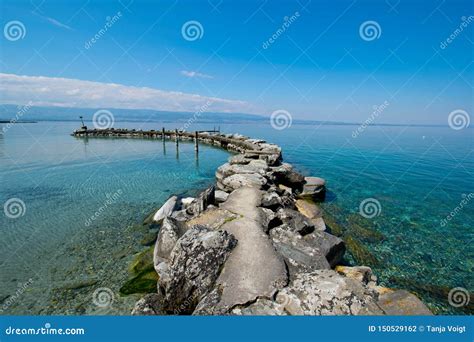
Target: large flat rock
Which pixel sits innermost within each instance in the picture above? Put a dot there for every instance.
(253, 269)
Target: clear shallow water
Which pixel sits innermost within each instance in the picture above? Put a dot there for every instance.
(417, 174)
(63, 182)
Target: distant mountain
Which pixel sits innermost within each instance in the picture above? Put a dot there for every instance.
(8, 112)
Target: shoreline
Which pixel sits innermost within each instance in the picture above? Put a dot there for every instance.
(260, 201)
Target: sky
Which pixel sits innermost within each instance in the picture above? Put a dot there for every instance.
(317, 60)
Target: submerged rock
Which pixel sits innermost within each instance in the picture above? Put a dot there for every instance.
(402, 303)
(194, 266)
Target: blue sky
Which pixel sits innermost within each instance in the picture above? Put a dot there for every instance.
(319, 67)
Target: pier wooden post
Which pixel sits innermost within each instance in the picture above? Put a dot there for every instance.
(176, 136)
(196, 143)
(163, 134)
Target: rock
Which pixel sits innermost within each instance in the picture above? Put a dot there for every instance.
(262, 307)
(165, 210)
(324, 292)
(171, 230)
(149, 239)
(181, 215)
(143, 282)
(295, 221)
(202, 201)
(270, 220)
(286, 189)
(254, 269)
(271, 200)
(194, 266)
(149, 305)
(314, 251)
(360, 252)
(308, 208)
(221, 196)
(209, 304)
(227, 169)
(402, 303)
(360, 273)
(239, 159)
(212, 218)
(284, 174)
(271, 159)
(186, 202)
(242, 180)
(141, 261)
(314, 187)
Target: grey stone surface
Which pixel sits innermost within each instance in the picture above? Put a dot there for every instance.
(194, 266)
(171, 230)
(254, 268)
(324, 292)
(242, 180)
(150, 305)
(221, 196)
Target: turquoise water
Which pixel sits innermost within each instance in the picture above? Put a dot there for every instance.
(64, 181)
(418, 175)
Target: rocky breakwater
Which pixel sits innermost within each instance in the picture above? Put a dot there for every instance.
(256, 244)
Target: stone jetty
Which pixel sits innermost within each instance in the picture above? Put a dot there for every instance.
(255, 243)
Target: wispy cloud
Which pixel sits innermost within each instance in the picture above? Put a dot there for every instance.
(53, 21)
(66, 92)
(195, 74)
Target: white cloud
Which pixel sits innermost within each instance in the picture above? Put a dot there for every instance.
(54, 21)
(66, 92)
(195, 74)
